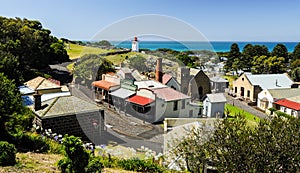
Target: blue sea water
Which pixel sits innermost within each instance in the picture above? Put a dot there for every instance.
(216, 46)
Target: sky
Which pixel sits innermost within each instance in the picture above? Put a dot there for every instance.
(216, 20)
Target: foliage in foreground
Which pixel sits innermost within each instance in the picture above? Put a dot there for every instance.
(7, 154)
(272, 146)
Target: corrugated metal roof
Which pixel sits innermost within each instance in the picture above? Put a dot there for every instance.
(166, 78)
(40, 83)
(288, 104)
(140, 100)
(122, 93)
(104, 84)
(216, 98)
(28, 100)
(169, 94)
(270, 81)
(279, 93)
(151, 84)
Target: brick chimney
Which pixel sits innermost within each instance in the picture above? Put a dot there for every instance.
(158, 71)
(37, 101)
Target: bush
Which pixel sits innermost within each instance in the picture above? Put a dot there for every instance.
(95, 165)
(32, 142)
(7, 154)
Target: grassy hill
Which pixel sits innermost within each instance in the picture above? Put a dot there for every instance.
(75, 50)
(45, 163)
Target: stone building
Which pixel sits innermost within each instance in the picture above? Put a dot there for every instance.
(194, 82)
(70, 115)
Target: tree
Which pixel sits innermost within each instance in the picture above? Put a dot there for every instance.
(271, 146)
(91, 67)
(280, 51)
(275, 65)
(233, 55)
(9, 65)
(13, 116)
(296, 56)
(295, 74)
(76, 157)
(247, 56)
(33, 45)
(138, 62)
(258, 65)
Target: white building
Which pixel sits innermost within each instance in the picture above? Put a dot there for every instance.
(213, 105)
(267, 97)
(135, 45)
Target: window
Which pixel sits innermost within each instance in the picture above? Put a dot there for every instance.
(242, 79)
(183, 104)
(248, 93)
(235, 89)
(175, 106)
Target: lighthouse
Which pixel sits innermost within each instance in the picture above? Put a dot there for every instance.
(135, 45)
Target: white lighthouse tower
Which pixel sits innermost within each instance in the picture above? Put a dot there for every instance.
(135, 45)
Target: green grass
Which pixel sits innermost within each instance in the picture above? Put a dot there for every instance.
(117, 59)
(75, 51)
(251, 119)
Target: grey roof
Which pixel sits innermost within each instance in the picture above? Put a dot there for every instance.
(295, 99)
(122, 93)
(218, 79)
(67, 105)
(270, 81)
(216, 98)
(284, 92)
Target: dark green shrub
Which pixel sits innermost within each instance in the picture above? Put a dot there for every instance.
(76, 157)
(32, 142)
(7, 154)
(95, 165)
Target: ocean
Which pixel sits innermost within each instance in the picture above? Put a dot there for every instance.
(216, 46)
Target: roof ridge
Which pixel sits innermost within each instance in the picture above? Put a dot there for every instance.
(51, 105)
(39, 84)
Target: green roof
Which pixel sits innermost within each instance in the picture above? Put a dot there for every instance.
(66, 105)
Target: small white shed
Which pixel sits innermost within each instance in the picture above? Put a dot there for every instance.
(213, 105)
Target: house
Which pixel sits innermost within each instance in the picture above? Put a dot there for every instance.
(248, 86)
(170, 81)
(267, 97)
(109, 83)
(43, 85)
(69, 115)
(290, 106)
(49, 89)
(213, 105)
(218, 84)
(193, 82)
(158, 101)
(119, 96)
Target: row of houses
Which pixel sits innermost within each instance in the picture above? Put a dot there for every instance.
(277, 91)
(56, 109)
(164, 97)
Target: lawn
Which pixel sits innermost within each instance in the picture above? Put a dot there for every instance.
(251, 119)
(75, 51)
(117, 59)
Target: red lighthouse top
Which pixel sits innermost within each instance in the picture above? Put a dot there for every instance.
(135, 39)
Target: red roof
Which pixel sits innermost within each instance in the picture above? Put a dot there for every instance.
(104, 84)
(289, 104)
(140, 100)
(166, 78)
